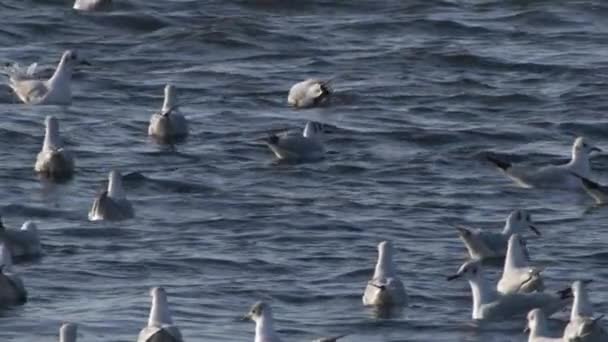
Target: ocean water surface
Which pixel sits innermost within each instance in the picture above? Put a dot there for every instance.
(423, 90)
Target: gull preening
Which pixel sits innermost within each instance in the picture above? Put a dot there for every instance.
(54, 161)
(552, 176)
(168, 124)
(489, 304)
(92, 5)
(517, 274)
(112, 204)
(160, 326)
(12, 290)
(24, 242)
(309, 93)
(538, 329)
(385, 288)
(306, 146)
(582, 324)
(483, 244)
(261, 314)
(55, 91)
(67, 332)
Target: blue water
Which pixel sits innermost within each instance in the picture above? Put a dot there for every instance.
(423, 90)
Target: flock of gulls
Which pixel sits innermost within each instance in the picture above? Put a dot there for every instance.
(519, 292)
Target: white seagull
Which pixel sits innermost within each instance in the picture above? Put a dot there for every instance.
(168, 124)
(517, 274)
(307, 146)
(489, 304)
(160, 325)
(385, 288)
(92, 5)
(24, 242)
(309, 93)
(54, 161)
(54, 91)
(582, 326)
(552, 176)
(12, 290)
(67, 332)
(112, 204)
(537, 327)
(483, 244)
(261, 314)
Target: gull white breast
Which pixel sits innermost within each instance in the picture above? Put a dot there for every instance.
(54, 161)
(54, 91)
(24, 242)
(385, 288)
(168, 125)
(565, 176)
(309, 93)
(112, 204)
(160, 326)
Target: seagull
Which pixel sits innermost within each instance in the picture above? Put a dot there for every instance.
(12, 290)
(24, 242)
(160, 325)
(489, 304)
(309, 93)
(54, 91)
(385, 288)
(92, 5)
(517, 275)
(112, 204)
(295, 147)
(552, 176)
(67, 332)
(261, 314)
(482, 244)
(537, 327)
(54, 161)
(168, 124)
(582, 325)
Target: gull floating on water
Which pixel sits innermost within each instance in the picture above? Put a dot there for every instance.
(517, 275)
(537, 327)
(385, 288)
(160, 325)
(56, 90)
(261, 314)
(168, 124)
(12, 290)
(552, 176)
(309, 93)
(92, 5)
(299, 147)
(482, 244)
(489, 304)
(67, 332)
(24, 242)
(54, 161)
(112, 204)
(582, 326)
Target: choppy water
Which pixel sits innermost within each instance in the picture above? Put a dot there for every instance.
(424, 88)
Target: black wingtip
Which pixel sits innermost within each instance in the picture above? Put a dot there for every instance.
(565, 293)
(589, 183)
(501, 164)
(273, 139)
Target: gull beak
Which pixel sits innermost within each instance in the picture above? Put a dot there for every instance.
(246, 317)
(452, 277)
(535, 230)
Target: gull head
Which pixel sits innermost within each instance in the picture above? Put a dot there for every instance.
(470, 270)
(520, 220)
(170, 99)
(535, 318)
(313, 129)
(70, 58)
(579, 286)
(158, 292)
(258, 310)
(319, 90)
(115, 189)
(385, 248)
(582, 147)
(67, 332)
